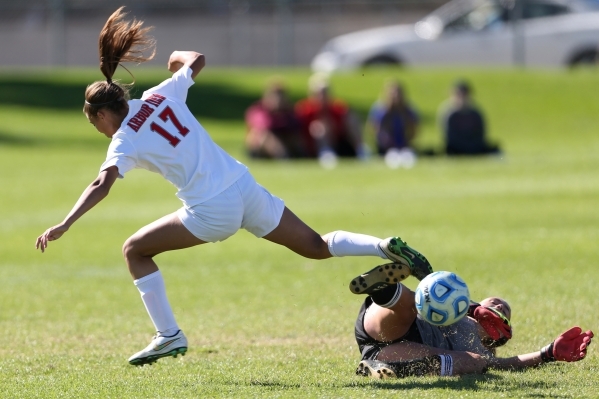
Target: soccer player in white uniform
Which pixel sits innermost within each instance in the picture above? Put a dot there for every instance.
(219, 195)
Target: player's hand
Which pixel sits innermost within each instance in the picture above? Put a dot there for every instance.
(468, 363)
(495, 325)
(478, 363)
(53, 233)
(570, 346)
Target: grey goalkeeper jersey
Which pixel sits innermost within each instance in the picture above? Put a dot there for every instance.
(461, 336)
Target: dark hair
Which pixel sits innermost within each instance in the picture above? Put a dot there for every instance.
(119, 41)
(463, 87)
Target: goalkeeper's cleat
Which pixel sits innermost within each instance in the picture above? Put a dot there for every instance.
(161, 347)
(378, 278)
(375, 369)
(398, 251)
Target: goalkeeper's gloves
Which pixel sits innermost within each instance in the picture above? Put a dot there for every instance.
(495, 324)
(570, 346)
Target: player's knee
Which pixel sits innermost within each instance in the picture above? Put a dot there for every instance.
(130, 248)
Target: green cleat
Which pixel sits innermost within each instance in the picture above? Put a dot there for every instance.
(398, 251)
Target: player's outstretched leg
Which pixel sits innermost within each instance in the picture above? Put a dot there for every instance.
(430, 365)
(161, 347)
(398, 251)
(379, 278)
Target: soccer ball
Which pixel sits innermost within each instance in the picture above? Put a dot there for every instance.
(442, 298)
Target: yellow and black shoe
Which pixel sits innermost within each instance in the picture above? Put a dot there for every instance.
(378, 278)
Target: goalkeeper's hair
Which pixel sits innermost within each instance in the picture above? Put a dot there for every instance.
(120, 41)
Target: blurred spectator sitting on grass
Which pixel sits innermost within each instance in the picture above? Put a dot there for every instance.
(394, 123)
(329, 127)
(463, 124)
(393, 119)
(273, 131)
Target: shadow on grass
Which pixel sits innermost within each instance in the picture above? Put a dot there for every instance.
(8, 139)
(210, 100)
(11, 140)
(205, 99)
(214, 100)
(475, 384)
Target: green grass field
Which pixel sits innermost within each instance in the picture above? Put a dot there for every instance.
(261, 321)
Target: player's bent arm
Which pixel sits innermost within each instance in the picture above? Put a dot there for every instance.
(194, 60)
(93, 194)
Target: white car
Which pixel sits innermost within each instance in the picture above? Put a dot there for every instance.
(476, 33)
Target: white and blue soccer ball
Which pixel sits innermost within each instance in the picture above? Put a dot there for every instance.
(442, 298)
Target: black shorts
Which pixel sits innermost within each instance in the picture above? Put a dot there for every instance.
(370, 347)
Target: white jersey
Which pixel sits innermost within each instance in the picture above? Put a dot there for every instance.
(161, 135)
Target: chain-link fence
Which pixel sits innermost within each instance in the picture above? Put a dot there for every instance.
(231, 33)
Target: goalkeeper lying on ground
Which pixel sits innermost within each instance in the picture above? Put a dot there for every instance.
(394, 342)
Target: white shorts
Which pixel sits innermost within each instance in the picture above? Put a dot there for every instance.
(245, 204)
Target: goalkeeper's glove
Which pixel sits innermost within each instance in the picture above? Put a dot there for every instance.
(494, 323)
(570, 346)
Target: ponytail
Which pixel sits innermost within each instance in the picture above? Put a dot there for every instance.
(119, 41)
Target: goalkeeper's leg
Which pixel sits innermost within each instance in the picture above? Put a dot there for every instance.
(441, 365)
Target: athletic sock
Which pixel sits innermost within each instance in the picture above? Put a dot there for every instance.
(388, 296)
(344, 243)
(153, 295)
(446, 365)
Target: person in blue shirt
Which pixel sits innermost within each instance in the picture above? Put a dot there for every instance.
(393, 120)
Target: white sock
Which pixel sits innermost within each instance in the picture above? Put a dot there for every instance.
(344, 243)
(395, 297)
(153, 295)
(446, 365)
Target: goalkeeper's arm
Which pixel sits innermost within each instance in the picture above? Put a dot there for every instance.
(471, 363)
(570, 346)
(516, 362)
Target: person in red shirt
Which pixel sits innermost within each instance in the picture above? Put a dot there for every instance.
(273, 131)
(328, 125)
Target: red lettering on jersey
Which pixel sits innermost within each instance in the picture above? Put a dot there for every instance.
(155, 99)
(166, 115)
(140, 117)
